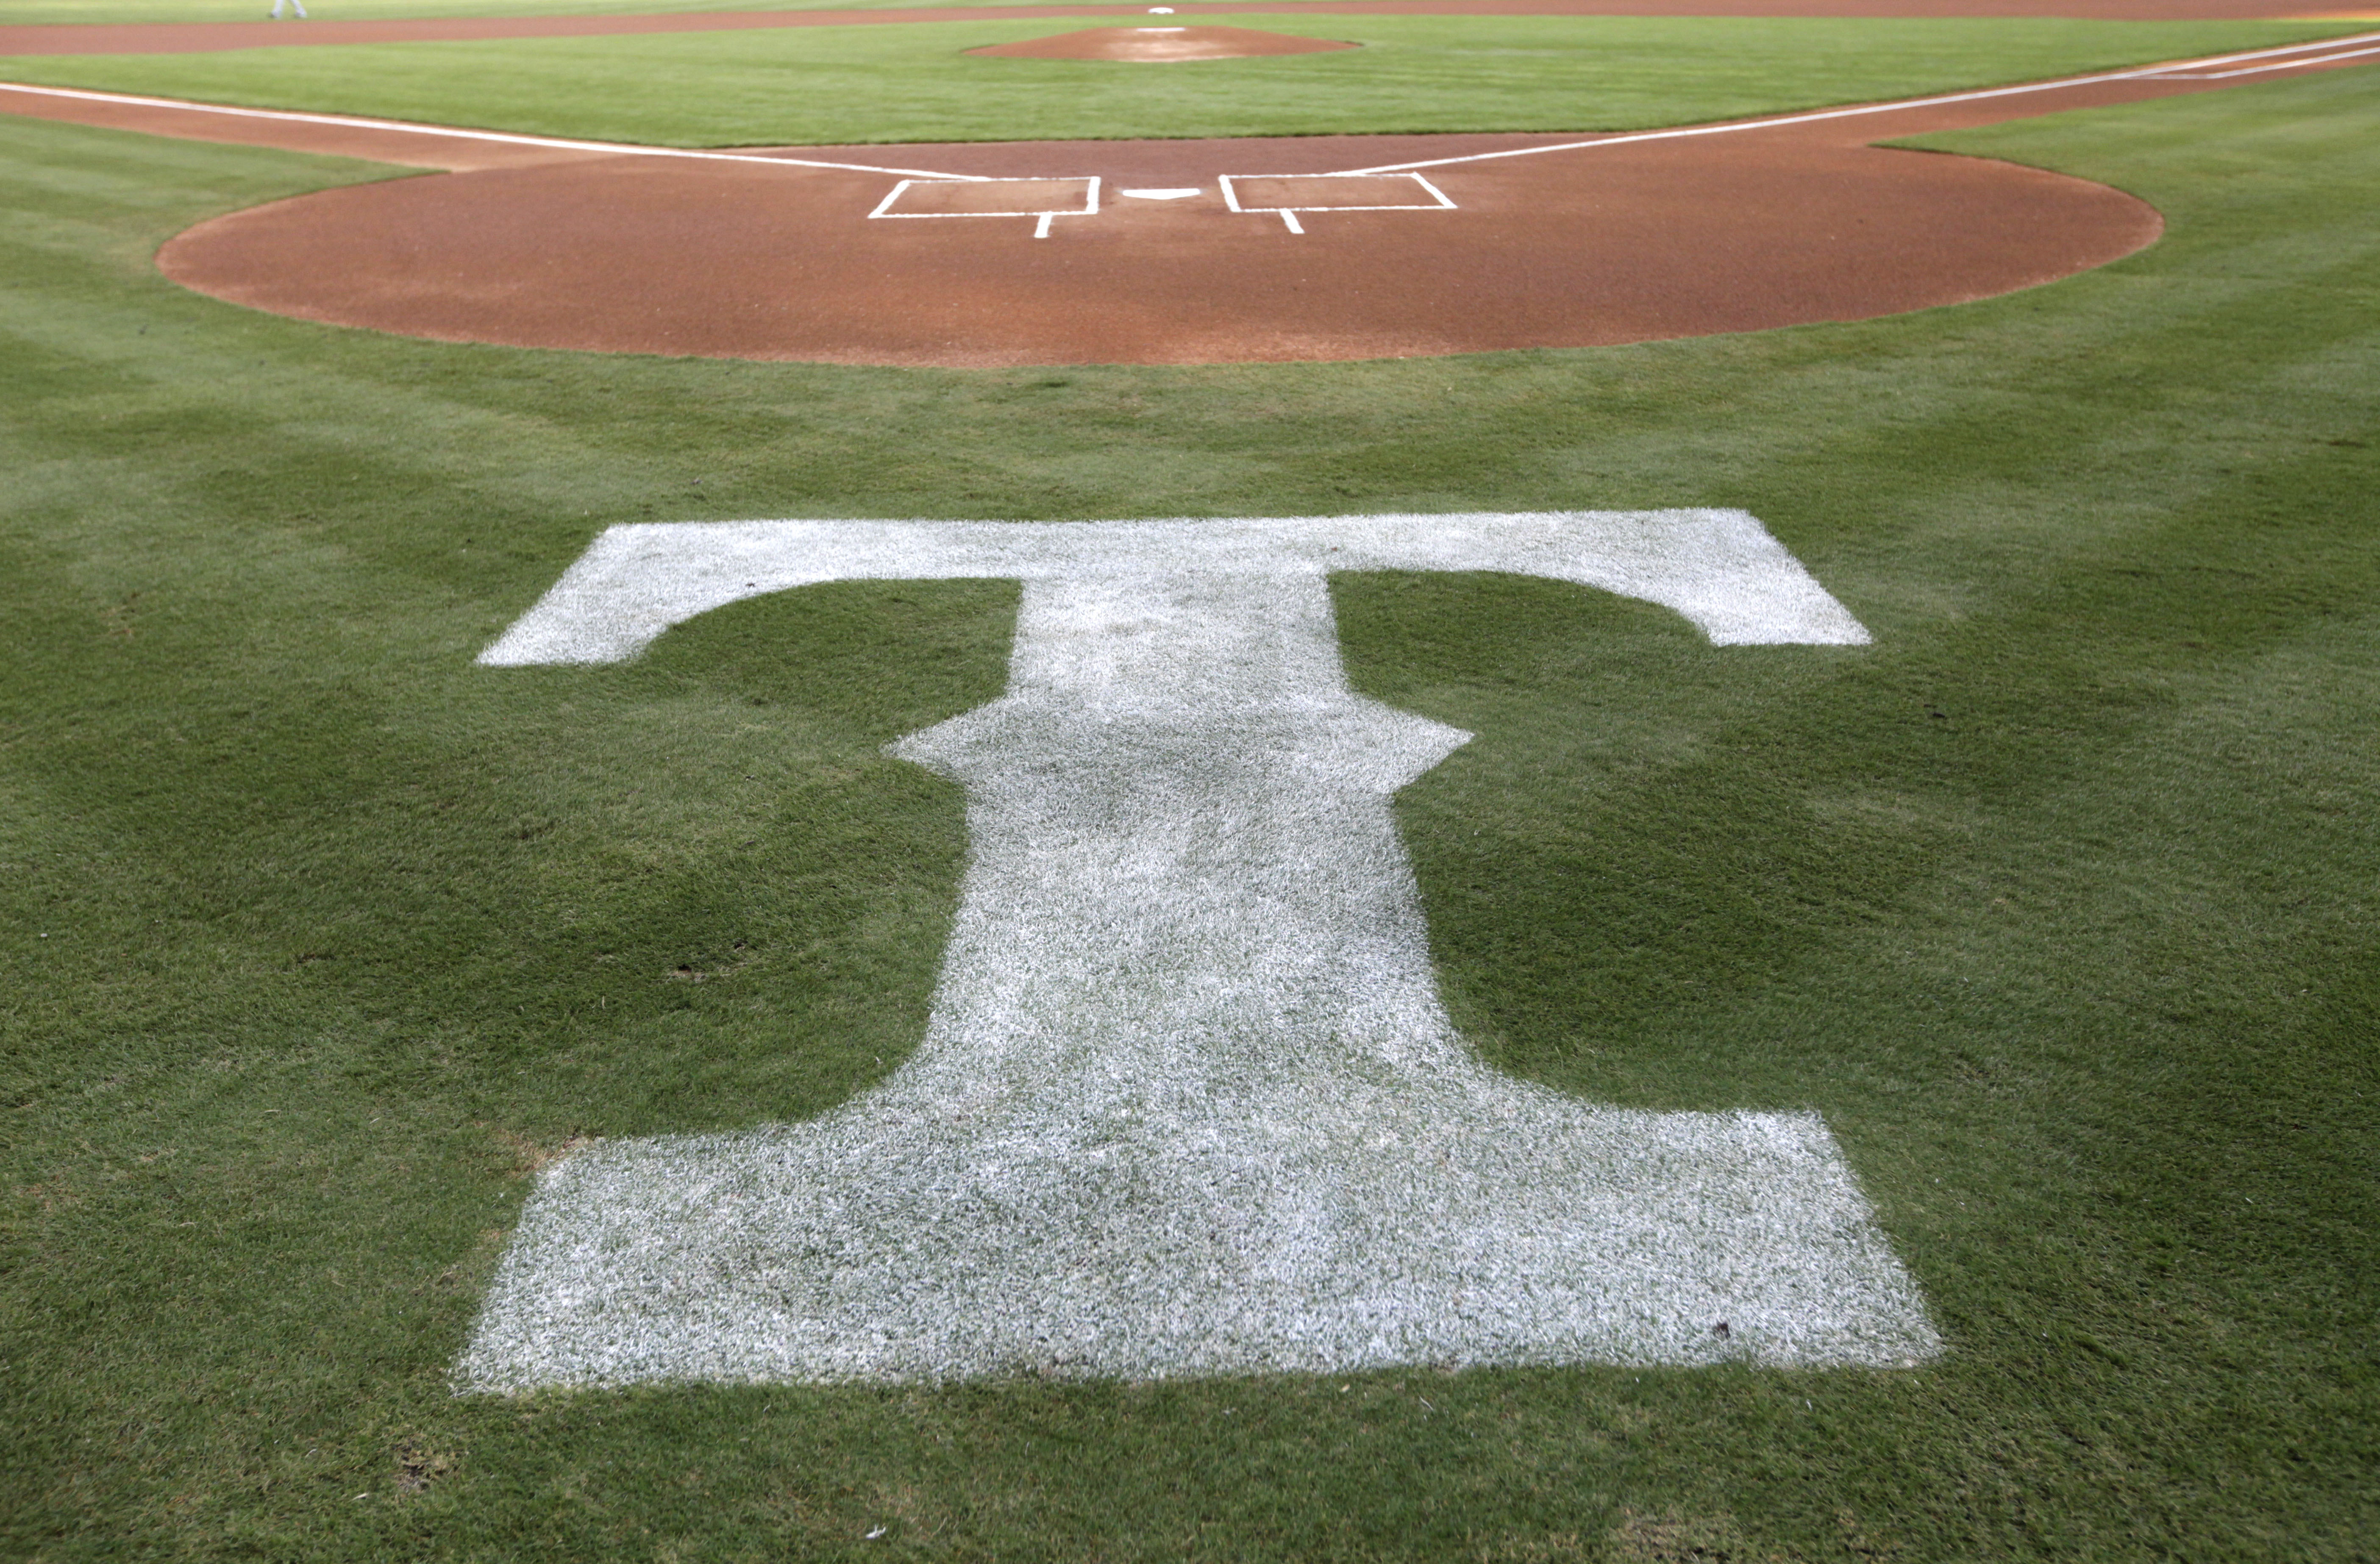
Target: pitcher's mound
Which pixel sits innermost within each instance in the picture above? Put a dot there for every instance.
(1162, 46)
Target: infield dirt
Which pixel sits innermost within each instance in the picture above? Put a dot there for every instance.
(1169, 251)
(1660, 239)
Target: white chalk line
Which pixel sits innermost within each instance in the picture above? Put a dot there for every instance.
(1232, 196)
(1091, 207)
(1288, 214)
(559, 143)
(2143, 73)
(2253, 70)
(2324, 52)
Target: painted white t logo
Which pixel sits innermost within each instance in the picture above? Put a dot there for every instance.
(1188, 1102)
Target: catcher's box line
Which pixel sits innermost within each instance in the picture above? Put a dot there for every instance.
(2166, 71)
(1091, 207)
(1288, 214)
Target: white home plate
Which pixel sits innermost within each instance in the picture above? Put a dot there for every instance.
(1188, 1103)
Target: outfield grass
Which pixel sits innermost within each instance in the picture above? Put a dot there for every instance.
(2058, 901)
(911, 82)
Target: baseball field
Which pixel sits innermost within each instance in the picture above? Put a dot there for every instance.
(1596, 782)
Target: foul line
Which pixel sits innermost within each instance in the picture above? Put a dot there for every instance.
(2327, 51)
(621, 149)
(2138, 74)
(2178, 74)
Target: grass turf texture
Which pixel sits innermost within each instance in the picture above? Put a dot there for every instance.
(28, 13)
(2058, 901)
(911, 82)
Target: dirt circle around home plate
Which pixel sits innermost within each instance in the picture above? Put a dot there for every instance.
(1191, 251)
(1162, 46)
(1317, 248)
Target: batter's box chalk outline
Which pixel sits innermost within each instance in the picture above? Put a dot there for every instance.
(1044, 216)
(1439, 201)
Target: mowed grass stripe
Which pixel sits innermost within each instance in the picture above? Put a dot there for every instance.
(911, 82)
(345, 935)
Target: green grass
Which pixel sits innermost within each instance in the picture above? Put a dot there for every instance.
(2058, 901)
(25, 13)
(912, 84)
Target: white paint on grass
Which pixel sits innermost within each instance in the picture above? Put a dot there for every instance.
(2206, 67)
(1719, 568)
(454, 133)
(2178, 70)
(1187, 1102)
(2339, 58)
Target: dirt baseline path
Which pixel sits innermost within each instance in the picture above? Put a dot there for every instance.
(1208, 251)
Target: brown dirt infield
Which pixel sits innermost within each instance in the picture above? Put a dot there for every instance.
(1156, 251)
(1161, 46)
(172, 38)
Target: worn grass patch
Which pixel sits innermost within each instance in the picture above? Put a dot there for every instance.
(2057, 901)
